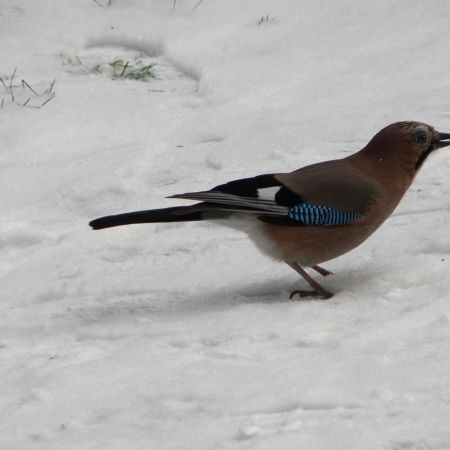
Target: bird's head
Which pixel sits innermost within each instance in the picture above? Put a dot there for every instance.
(406, 144)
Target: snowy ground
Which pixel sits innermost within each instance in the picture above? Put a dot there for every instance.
(182, 336)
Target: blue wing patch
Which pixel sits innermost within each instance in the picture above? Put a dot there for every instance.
(308, 214)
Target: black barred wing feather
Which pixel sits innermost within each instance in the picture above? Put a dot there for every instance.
(309, 214)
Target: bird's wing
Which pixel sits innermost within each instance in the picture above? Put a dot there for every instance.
(329, 193)
(255, 194)
(337, 184)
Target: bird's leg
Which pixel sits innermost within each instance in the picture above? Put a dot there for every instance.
(318, 291)
(322, 271)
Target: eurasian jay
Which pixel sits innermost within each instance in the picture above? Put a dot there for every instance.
(315, 213)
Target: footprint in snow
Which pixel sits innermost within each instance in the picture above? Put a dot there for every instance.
(123, 59)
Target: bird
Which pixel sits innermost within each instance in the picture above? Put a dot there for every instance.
(315, 213)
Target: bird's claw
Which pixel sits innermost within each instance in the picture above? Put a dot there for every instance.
(322, 294)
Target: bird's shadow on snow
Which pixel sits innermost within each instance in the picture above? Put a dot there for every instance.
(267, 291)
(346, 283)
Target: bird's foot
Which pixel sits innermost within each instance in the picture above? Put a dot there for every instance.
(322, 294)
(318, 292)
(322, 271)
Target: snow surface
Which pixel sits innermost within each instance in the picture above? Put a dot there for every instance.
(182, 336)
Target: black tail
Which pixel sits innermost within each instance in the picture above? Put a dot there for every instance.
(176, 214)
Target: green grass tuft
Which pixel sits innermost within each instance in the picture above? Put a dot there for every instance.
(138, 71)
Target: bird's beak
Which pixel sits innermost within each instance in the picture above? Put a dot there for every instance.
(443, 139)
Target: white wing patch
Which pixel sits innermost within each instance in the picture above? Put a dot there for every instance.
(268, 193)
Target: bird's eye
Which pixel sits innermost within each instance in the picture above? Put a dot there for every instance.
(420, 137)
